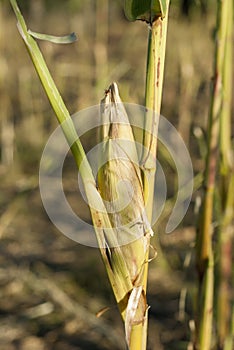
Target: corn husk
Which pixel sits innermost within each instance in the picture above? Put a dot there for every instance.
(120, 185)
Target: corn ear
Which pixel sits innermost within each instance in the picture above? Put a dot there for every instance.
(120, 185)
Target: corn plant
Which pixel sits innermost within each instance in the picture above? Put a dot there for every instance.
(126, 264)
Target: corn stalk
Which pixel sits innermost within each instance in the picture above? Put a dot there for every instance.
(155, 13)
(153, 98)
(223, 305)
(205, 260)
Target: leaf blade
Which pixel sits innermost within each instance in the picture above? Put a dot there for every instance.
(146, 10)
(66, 39)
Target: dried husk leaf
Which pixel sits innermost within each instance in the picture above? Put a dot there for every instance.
(120, 185)
(130, 318)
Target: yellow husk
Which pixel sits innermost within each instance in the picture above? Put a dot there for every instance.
(120, 185)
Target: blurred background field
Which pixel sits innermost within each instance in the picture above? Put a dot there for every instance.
(51, 287)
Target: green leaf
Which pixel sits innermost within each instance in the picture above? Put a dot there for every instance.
(67, 39)
(146, 10)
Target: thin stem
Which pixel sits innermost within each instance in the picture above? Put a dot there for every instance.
(225, 120)
(204, 238)
(225, 236)
(153, 97)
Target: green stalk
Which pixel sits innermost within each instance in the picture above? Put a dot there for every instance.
(225, 233)
(224, 304)
(225, 120)
(205, 262)
(154, 12)
(153, 98)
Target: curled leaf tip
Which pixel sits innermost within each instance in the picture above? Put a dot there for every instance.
(67, 39)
